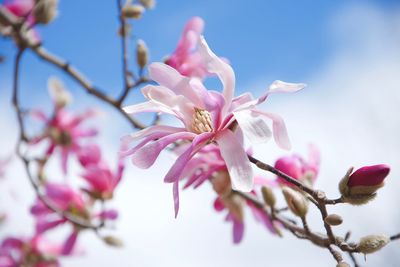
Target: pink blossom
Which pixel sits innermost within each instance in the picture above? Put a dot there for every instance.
(299, 168)
(34, 252)
(101, 179)
(64, 131)
(369, 175)
(23, 8)
(207, 117)
(186, 59)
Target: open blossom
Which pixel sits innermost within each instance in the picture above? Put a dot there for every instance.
(33, 252)
(101, 178)
(299, 168)
(207, 117)
(63, 129)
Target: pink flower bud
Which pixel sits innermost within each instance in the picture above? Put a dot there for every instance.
(369, 175)
(290, 165)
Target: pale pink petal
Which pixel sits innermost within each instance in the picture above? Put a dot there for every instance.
(38, 115)
(217, 66)
(175, 191)
(237, 162)
(176, 170)
(146, 156)
(253, 126)
(148, 131)
(188, 41)
(279, 129)
(284, 87)
(89, 154)
(262, 217)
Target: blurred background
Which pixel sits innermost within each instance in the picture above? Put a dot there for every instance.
(348, 52)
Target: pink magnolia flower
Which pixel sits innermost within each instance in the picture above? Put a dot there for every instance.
(22, 9)
(299, 168)
(64, 131)
(369, 176)
(186, 59)
(207, 117)
(101, 179)
(34, 252)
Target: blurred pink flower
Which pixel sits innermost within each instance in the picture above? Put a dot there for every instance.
(33, 252)
(207, 116)
(369, 175)
(186, 59)
(4, 162)
(64, 130)
(299, 168)
(101, 179)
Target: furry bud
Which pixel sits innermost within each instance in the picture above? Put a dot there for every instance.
(61, 97)
(297, 203)
(360, 187)
(45, 11)
(113, 241)
(342, 264)
(333, 219)
(149, 4)
(268, 196)
(372, 243)
(132, 11)
(142, 54)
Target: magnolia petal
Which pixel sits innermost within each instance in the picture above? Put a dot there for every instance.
(263, 218)
(253, 126)
(148, 131)
(176, 170)
(70, 243)
(236, 160)
(147, 155)
(175, 191)
(238, 230)
(148, 106)
(281, 136)
(284, 87)
(217, 66)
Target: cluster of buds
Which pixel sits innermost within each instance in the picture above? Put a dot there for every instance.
(360, 187)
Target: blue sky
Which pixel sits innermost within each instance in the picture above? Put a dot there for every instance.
(277, 39)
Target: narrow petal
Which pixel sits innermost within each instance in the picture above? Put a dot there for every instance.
(253, 126)
(147, 155)
(175, 191)
(148, 131)
(284, 87)
(70, 243)
(176, 170)
(217, 66)
(237, 162)
(279, 129)
(148, 106)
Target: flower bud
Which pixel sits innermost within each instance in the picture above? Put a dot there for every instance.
(297, 203)
(290, 165)
(113, 241)
(58, 93)
(148, 3)
(342, 264)
(132, 11)
(45, 11)
(142, 54)
(360, 187)
(372, 243)
(221, 183)
(333, 219)
(268, 196)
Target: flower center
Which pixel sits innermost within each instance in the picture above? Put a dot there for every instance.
(201, 121)
(60, 137)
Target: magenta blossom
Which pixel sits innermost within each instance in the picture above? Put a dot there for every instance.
(22, 9)
(369, 176)
(101, 179)
(186, 59)
(64, 131)
(33, 252)
(299, 168)
(207, 117)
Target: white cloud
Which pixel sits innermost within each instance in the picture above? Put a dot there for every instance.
(350, 110)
